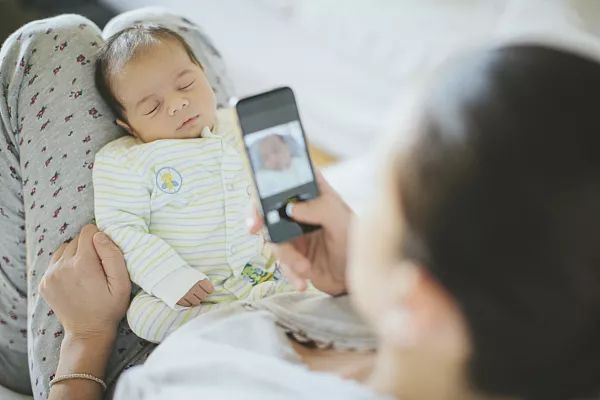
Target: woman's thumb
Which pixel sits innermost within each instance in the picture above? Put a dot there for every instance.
(110, 256)
(307, 212)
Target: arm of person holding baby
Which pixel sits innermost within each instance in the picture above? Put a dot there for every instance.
(88, 288)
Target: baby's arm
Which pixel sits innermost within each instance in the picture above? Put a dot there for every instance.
(122, 208)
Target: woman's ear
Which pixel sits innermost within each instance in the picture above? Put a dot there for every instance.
(125, 126)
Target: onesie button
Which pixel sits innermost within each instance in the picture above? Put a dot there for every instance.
(230, 187)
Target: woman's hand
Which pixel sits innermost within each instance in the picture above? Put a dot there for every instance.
(320, 256)
(87, 284)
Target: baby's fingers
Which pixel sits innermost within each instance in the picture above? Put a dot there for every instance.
(195, 298)
(197, 294)
(183, 302)
(206, 285)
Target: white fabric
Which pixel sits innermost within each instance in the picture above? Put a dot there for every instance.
(232, 356)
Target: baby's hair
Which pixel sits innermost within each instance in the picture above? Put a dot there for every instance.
(124, 46)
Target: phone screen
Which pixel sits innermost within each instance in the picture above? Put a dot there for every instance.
(278, 153)
(279, 158)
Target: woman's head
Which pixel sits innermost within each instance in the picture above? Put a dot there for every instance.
(493, 228)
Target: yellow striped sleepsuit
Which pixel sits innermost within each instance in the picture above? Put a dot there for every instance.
(177, 210)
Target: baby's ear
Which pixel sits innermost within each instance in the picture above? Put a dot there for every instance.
(125, 126)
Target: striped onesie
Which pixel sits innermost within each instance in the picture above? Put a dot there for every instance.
(176, 208)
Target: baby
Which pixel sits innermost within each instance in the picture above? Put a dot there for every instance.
(173, 193)
(280, 164)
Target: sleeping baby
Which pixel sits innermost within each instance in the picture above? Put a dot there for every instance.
(174, 192)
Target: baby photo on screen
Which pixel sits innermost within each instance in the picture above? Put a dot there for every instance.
(279, 158)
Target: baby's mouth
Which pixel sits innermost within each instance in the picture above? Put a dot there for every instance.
(189, 121)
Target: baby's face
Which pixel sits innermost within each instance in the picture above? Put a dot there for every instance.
(165, 94)
(275, 153)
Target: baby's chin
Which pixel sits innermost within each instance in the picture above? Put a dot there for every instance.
(190, 134)
(195, 134)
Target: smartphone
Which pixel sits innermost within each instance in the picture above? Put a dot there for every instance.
(278, 154)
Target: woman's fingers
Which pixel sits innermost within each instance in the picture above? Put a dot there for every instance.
(289, 255)
(85, 243)
(322, 183)
(298, 282)
(295, 265)
(58, 253)
(255, 223)
(111, 258)
(71, 248)
(80, 243)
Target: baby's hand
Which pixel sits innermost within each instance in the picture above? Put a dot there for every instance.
(197, 293)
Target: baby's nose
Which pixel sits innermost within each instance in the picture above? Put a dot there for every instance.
(178, 105)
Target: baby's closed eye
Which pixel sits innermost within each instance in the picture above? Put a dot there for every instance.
(152, 108)
(187, 85)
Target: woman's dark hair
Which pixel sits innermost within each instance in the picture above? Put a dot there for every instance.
(121, 48)
(501, 196)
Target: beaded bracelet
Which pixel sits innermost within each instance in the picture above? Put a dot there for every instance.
(78, 376)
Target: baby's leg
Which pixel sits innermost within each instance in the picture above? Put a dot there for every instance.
(152, 319)
(54, 121)
(202, 46)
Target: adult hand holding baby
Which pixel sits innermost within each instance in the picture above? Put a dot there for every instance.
(88, 288)
(197, 294)
(87, 284)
